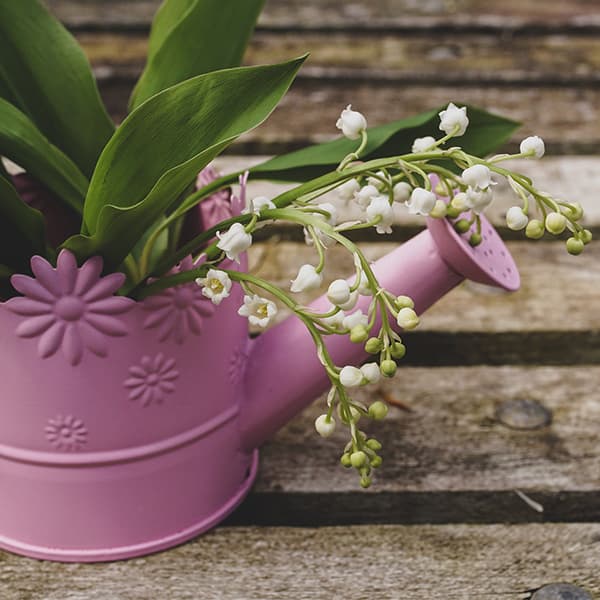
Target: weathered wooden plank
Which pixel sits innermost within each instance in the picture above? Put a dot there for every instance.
(447, 456)
(294, 14)
(400, 563)
(573, 60)
(566, 117)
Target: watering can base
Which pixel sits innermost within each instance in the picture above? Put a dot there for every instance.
(85, 555)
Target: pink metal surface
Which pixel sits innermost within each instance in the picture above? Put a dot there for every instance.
(141, 432)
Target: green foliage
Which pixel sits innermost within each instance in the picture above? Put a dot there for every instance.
(161, 146)
(21, 230)
(192, 37)
(46, 74)
(23, 143)
(485, 133)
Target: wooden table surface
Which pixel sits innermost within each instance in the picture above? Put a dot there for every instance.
(467, 504)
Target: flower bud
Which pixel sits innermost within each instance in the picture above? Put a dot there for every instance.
(576, 211)
(376, 461)
(351, 303)
(586, 236)
(378, 410)
(358, 459)
(398, 350)
(462, 226)
(459, 202)
(358, 334)
(352, 123)
(354, 319)
(452, 212)
(407, 318)
(516, 219)
(535, 229)
(351, 376)
(365, 482)
(404, 302)
(533, 147)
(388, 368)
(556, 223)
(439, 210)
(325, 425)
(475, 239)
(345, 460)
(402, 191)
(338, 292)
(575, 246)
(374, 345)
(371, 372)
(364, 196)
(373, 444)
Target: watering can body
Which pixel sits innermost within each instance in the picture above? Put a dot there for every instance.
(154, 440)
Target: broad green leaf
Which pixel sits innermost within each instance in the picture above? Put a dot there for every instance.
(161, 146)
(21, 230)
(191, 37)
(49, 78)
(485, 133)
(24, 144)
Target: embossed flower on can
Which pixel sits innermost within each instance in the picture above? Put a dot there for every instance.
(66, 433)
(180, 310)
(152, 380)
(69, 308)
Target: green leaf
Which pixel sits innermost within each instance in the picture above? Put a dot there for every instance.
(47, 74)
(161, 146)
(23, 143)
(192, 37)
(21, 230)
(485, 133)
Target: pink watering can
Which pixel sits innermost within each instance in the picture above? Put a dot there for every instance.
(129, 427)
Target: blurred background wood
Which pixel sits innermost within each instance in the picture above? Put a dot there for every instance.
(435, 524)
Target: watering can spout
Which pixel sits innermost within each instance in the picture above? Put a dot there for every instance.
(283, 373)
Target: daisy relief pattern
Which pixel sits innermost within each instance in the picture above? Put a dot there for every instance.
(152, 380)
(179, 310)
(69, 308)
(66, 433)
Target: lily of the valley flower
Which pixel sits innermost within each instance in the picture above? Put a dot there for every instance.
(555, 223)
(352, 123)
(335, 321)
(259, 203)
(216, 285)
(478, 200)
(331, 209)
(365, 195)
(354, 319)
(478, 177)
(371, 372)
(347, 190)
(307, 279)
(402, 192)
(533, 147)
(421, 202)
(260, 311)
(351, 376)
(423, 144)
(380, 208)
(234, 241)
(454, 118)
(407, 318)
(516, 219)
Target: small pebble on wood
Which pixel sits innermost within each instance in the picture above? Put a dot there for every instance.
(523, 414)
(561, 591)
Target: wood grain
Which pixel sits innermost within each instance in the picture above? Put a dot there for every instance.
(294, 14)
(400, 563)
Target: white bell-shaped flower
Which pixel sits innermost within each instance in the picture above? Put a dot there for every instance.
(402, 192)
(421, 202)
(307, 279)
(533, 146)
(364, 196)
(216, 285)
(352, 123)
(477, 176)
(516, 219)
(347, 190)
(260, 311)
(351, 376)
(234, 241)
(478, 200)
(371, 372)
(380, 208)
(454, 118)
(423, 144)
(338, 292)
